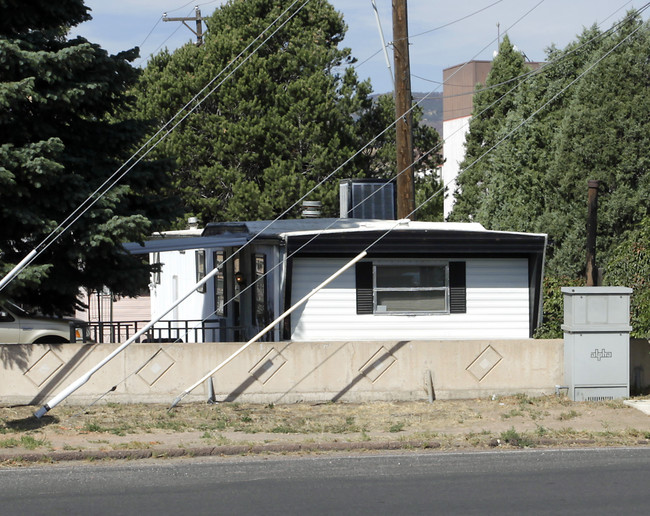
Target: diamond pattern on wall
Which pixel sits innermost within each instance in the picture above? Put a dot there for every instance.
(266, 368)
(377, 365)
(157, 366)
(484, 363)
(43, 368)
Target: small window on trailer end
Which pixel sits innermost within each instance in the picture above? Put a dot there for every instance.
(199, 257)
(415, 287)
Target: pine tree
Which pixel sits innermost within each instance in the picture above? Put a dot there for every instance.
(492, 103)
(272, 130)
(381, 158)
(64, 129)
(604, 134)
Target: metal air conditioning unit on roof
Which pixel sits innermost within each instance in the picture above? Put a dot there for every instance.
(367, 199)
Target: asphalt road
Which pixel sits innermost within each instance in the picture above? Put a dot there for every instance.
(586, 481)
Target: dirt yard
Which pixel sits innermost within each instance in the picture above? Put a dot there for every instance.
(517, 421)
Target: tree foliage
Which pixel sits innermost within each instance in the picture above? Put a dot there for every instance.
(273, 129)
(630, 267)
(493, 102)
(64, 129)
(558, 139)
(376, 126)
(285, 120)
(551, 327)
(605, 135)
(598, 128)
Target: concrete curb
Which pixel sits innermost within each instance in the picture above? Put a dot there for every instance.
(231, 450)
(207, 451)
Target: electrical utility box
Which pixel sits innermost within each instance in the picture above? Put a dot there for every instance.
(597, 342)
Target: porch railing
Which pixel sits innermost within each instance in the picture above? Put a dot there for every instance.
(181, 330)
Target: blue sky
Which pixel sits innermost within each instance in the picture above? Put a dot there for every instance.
(532, 25)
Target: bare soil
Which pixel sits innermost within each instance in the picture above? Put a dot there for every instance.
(516, 421)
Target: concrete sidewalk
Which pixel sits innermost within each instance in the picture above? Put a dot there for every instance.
(642, 405)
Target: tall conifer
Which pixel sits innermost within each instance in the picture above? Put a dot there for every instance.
(64, 129)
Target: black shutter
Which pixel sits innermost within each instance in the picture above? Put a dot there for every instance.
(457, 288)
(364, 287)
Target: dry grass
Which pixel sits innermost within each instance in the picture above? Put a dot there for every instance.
(509, 421)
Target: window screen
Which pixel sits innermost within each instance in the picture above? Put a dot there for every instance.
(410, 287)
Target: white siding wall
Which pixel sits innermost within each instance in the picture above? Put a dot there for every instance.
(178, 276)
(497, 306)
(454, 132)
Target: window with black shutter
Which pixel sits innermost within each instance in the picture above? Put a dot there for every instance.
(410, 287)
(457, 288)
(364, 288)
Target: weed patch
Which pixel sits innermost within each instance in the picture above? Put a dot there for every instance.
(91, 426)
(25, 441)
(514, 438)
(397, 427)
(348, 425)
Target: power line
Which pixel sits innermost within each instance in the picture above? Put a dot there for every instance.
(458, 20)
(164, 41)
(432, 30)
(150, 32)
(94, 197)
(46, 407)
(159, 19)
(523, 77)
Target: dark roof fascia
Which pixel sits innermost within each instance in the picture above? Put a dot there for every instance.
(443, 243)
(434, 244)
(199, 242)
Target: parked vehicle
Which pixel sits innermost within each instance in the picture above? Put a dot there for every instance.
(18, 326)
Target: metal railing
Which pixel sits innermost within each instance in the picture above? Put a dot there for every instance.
(197, 330)
(181, 330)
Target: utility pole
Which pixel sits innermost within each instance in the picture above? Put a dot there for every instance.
(592, 228)
(403, 104)
(197, 18)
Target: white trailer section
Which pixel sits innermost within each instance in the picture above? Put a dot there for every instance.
(419, 281)
(497, 306)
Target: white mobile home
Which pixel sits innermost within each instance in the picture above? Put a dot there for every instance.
(420, 280)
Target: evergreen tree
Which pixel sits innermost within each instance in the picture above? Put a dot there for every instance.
(598, 128)
(381, 156)
(629, 266)
(536, 180)
(273, 130)
(64, 129)
(522, 198)
(492, 103)
(604, 135)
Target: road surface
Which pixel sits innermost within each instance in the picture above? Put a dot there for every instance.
(585, 481)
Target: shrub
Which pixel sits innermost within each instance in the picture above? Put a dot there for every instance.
(553, 308)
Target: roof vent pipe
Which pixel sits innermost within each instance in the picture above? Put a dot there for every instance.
(310, 209)
(592, 226)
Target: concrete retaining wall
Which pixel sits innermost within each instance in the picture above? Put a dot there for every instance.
(284, 372)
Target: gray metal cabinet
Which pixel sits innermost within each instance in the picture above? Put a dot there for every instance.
(597, 342)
